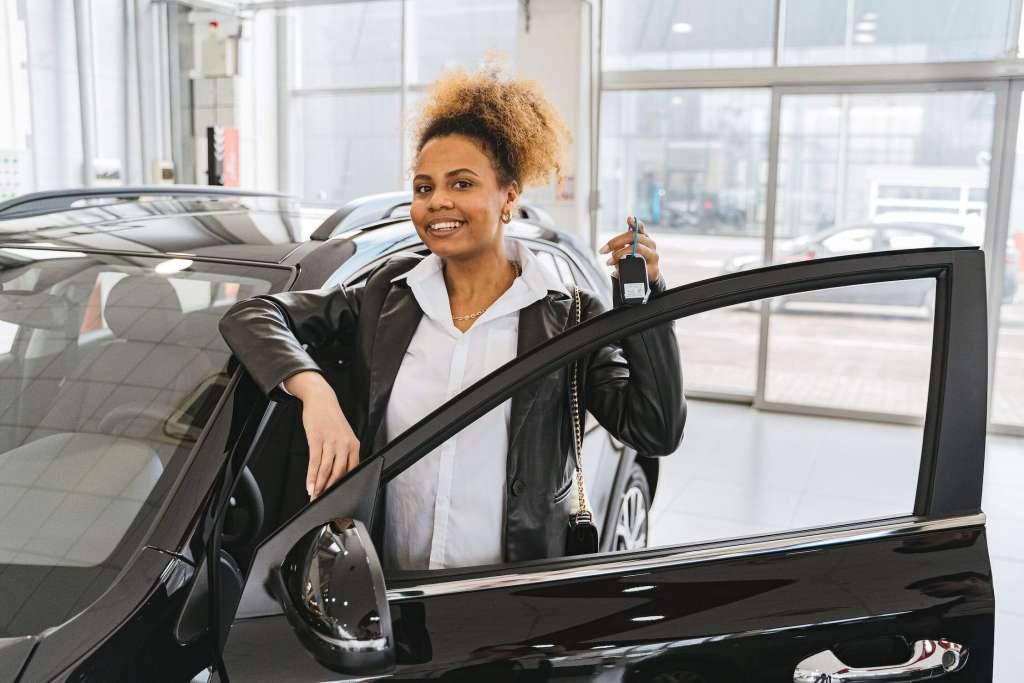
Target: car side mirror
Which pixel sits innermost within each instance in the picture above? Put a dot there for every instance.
(331, 587)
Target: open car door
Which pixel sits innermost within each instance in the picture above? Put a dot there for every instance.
(896, 598)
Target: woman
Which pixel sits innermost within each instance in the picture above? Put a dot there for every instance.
(421, 330)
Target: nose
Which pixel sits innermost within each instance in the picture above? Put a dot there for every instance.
(440, 200)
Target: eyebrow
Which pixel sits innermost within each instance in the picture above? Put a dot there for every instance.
(448, 174)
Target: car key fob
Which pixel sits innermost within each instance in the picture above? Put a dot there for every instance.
(634, 287)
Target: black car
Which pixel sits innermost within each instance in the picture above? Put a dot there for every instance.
(155, 525)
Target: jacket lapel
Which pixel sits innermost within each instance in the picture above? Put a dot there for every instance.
(399, 316)
(538, 322)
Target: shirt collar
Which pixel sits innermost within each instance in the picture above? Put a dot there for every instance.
(535, 274)
(426, 280)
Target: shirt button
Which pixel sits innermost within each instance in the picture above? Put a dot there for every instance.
(518, 487)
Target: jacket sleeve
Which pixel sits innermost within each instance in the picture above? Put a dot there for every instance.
(270, 334)
(636, 390)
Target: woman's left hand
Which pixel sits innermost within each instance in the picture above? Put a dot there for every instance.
(622, 245)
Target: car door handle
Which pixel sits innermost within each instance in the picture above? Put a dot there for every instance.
(930, 658)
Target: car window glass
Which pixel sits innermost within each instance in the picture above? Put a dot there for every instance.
(118, 372)
(849, 241)
(739, 471)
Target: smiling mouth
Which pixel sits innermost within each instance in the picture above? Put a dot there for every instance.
(444, 227)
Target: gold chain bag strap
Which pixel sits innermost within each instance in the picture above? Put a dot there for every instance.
(583, 537)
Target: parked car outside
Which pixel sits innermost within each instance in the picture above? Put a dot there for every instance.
(155, 523)
(972, 228)
(864, 238)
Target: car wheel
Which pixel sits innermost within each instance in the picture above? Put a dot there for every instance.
(631, 523)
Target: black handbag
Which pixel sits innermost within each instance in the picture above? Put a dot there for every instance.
(582, 538)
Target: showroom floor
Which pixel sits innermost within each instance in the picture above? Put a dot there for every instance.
(743, 471)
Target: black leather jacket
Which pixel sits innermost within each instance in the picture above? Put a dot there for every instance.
(359, 336)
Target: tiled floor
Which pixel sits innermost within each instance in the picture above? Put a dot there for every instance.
(742, 471)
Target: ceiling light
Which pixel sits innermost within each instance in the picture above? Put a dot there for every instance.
(681, 27)
(863, 38)
(653, 617)
(637, 589)
(677, 100)
(865, 26)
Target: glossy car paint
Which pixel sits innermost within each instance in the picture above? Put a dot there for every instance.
(743, 618)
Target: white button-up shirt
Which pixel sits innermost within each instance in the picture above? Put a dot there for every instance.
(447, 510)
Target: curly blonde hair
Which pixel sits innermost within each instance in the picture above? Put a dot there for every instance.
(512, 119)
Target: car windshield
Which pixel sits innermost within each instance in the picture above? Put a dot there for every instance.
(110, 367)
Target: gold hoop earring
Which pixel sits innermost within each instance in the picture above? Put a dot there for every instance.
(506, 217)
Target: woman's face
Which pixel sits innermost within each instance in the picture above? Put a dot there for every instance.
(457, 198)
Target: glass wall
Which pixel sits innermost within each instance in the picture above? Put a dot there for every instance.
(857, 159)
(882, 31)
(860, 167)
(1008, 386)
(655, 34)
(693, 164)
(872, 172)
(349, 73)
(350, 145)
(691, 34)
(111, 77)
(349, 45)
(472, 30)
(14, 110)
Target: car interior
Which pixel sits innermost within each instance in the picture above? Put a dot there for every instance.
(111, 373)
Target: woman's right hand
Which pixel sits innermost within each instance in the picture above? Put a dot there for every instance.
(333, 446)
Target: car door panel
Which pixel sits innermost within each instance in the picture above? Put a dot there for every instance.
(750, 618)
(745, 610)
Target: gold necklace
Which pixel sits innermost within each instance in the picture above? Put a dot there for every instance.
(472, 316)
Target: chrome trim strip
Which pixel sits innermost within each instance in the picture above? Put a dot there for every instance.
(804, 541)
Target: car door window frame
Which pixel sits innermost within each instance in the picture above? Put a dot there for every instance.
(952, 443)
(951, 467)
(956, 331)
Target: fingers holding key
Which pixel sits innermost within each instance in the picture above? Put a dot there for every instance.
(619, 248)
(621, 245)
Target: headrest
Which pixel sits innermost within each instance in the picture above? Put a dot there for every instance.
(142, 307)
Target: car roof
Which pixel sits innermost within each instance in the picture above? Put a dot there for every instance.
(257, 227)
(931, 228)
(952, 220)
(216, 222)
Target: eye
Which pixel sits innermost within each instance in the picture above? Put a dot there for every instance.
(465, 182)
(421, 187)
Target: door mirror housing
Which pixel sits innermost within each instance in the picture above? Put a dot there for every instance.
(331, 587)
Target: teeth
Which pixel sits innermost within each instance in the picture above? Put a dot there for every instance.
(448, 225)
